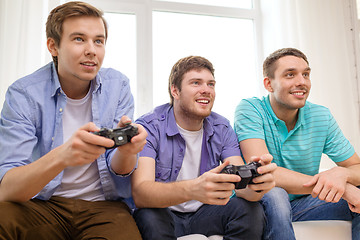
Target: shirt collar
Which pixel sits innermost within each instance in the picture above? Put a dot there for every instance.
(276, 119)
(270, 110)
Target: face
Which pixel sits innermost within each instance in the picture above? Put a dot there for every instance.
(291, 84)
(81, 50)
(197, 95)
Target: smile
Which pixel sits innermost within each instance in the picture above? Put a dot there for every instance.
(203, 101)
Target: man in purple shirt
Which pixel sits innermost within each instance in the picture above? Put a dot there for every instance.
(177, 187)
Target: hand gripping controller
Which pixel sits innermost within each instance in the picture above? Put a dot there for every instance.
(246, 172)
(120, 136)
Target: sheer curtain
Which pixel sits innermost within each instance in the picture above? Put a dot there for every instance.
(324, 30)
(22, 37)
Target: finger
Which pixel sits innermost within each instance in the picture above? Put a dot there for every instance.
(141, 136)
(89, 127)
(317, 189)
(353, 208)
(96, 140)
(266, 159)
(220, 167)
(267, 168)
(312, 181)
(125, 120)
(330, 196)
(337, 197)
(322, 194)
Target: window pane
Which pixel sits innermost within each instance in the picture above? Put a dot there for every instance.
(121, 46)
(221, 3)
(227, 42)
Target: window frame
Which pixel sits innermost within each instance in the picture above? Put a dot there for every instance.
(142, 9)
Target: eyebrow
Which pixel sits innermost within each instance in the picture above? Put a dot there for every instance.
(295, 69)
(82, 34)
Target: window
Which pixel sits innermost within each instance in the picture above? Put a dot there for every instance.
(221, 3)
(147, 37)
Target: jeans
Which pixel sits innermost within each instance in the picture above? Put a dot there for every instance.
(280, 213)
(239, 219)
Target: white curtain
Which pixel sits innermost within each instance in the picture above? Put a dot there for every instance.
(22, 37)
(324, 31)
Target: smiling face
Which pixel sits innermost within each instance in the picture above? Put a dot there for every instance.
(290, 86)
(197, 95)
(80, 53)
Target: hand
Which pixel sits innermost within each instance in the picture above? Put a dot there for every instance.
(137, 142)
(352, 196)
(214, 188)
(83, 147)
(329, 185)
(266, 181)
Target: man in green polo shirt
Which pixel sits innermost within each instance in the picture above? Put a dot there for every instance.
(296, 133)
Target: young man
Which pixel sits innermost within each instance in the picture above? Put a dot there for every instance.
(57, 179)
(296, 133)
(177, 186)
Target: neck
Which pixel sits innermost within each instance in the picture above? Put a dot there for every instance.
(289, 116)
(187, 122)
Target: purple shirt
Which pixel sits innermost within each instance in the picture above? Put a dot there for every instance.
(167, 147)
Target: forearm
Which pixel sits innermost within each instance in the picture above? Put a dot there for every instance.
(22, 183)
(292, 181)
(151, 194)
(249, 194)
(354, 175)
(123, 163)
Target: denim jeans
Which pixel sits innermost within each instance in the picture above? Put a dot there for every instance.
(280, 213)
(239, 219)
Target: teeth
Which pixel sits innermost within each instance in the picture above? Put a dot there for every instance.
(203, 101)
(88, 64)
(299, 94)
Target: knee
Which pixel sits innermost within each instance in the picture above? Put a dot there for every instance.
(249, 215)
(14, 218)
(277, 205)
(153, 217)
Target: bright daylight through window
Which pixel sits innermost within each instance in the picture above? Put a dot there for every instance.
(227, 41)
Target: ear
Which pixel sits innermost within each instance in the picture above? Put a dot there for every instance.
(175, 92)
(267, 84)
(52, 47)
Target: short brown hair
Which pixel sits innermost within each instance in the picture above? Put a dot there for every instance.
(185, 65)
(269, 65)
(56, 18)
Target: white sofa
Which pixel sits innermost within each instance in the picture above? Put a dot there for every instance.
(309, 230)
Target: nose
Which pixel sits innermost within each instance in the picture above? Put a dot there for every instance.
(205, 89)
(300, 80)
(90, 49)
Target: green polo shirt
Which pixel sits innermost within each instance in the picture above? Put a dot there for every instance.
(315, 132)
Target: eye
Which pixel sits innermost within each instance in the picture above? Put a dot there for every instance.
(289, 75)
(306, 75)
(99, 41)
(195, 82)
(78, 39)
(211, 84)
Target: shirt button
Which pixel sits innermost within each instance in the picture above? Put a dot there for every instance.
(181, 150)
(176, 171)
(60, 110)
(52, 139)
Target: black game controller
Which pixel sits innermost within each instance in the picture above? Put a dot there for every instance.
(246, 172)
(120, 136)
